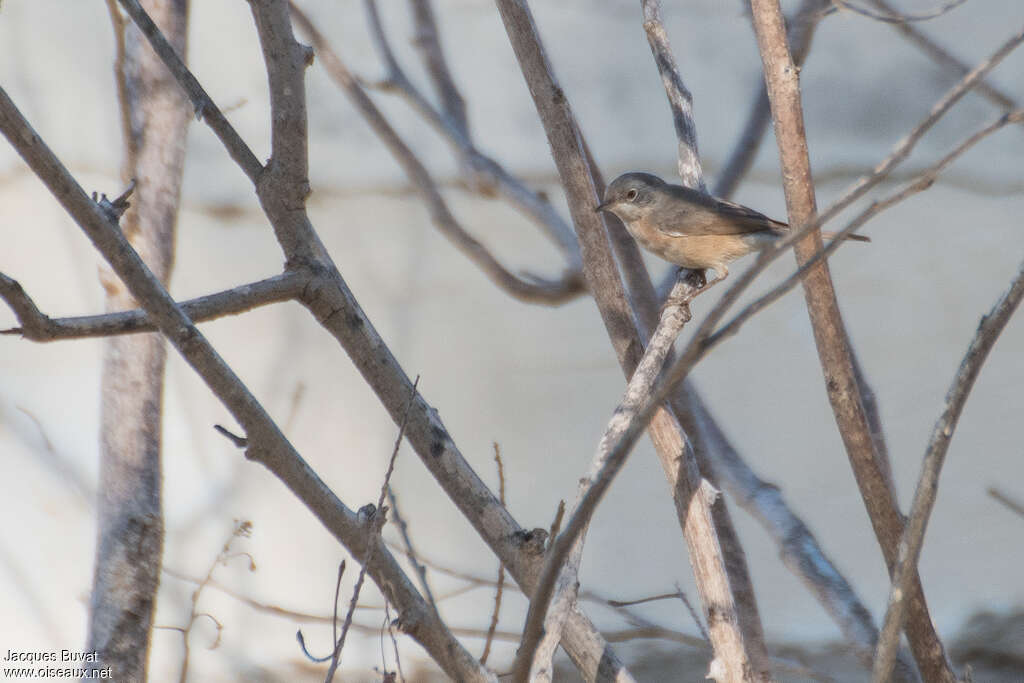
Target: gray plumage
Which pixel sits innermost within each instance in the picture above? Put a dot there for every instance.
(688, 227)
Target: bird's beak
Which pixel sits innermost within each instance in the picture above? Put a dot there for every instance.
(601, 207)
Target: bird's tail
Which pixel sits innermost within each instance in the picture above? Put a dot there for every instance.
(856, 238)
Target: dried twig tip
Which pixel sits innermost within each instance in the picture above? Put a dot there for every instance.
(116, 208)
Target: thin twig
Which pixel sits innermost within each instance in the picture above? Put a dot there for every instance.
(390, 625)
(375, 519)
(410, 550)
(1006, 500)
(923, 181)
(928, 483)
(242, 529)
(428, 41)
(905, 146)
(944, 58)
(693, 613)
(499, 588)
(891, 17)
(202, 103)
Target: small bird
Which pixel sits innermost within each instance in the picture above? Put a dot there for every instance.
(691, 228)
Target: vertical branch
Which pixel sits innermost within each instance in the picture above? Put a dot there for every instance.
(695, 501)
(801, 31)
(679, 98)
(928, 484)
(130, 516)
(844, 392)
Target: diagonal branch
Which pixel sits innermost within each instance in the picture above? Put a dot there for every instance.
(830, 335)
(943, 57)
(988, 332)
(801, 32)
(202, 104)
(329, 299)
(528, 288)
(39, 327)
(697, 511)
(489, 176)
(428, 41)
(268, 445)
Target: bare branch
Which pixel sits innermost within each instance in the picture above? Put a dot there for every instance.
(830, 336)
(429, 44)
(679, 98)
(800, 31)
(563, 556)
(488, 175)
(375, 520)
(891, 17)
(944, 58)
(267, 444)
(1006, 500)
(697, 509)
(528, 288)
(329, 299)
(988, 332)
(202, 104)
(130, 522)
(39, 327)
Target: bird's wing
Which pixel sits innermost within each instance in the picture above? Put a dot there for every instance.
(707, 215)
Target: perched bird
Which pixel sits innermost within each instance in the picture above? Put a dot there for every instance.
(691, 228)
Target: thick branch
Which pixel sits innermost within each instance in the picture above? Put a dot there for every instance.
(129, 519)
(593, 486)
(334, 306)
(801, 32)
(695, 509)
(267, 444)
(39, 327)
(830, 335)
(989, 329)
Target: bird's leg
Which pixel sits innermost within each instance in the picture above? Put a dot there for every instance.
(710, 283)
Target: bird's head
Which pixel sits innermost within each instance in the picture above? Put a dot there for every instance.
(631, 195)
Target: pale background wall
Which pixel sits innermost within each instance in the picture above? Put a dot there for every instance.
(541, 382)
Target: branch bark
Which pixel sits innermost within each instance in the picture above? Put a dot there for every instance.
(39, 327)
(527, 288)
(328, 297)
(267, 444)
(830, 335)
(130, 526)
(697, 511)
(988, 332)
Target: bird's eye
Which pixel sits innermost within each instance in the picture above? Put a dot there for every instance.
(631, 195)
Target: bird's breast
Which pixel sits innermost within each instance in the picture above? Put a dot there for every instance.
(694, 251)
